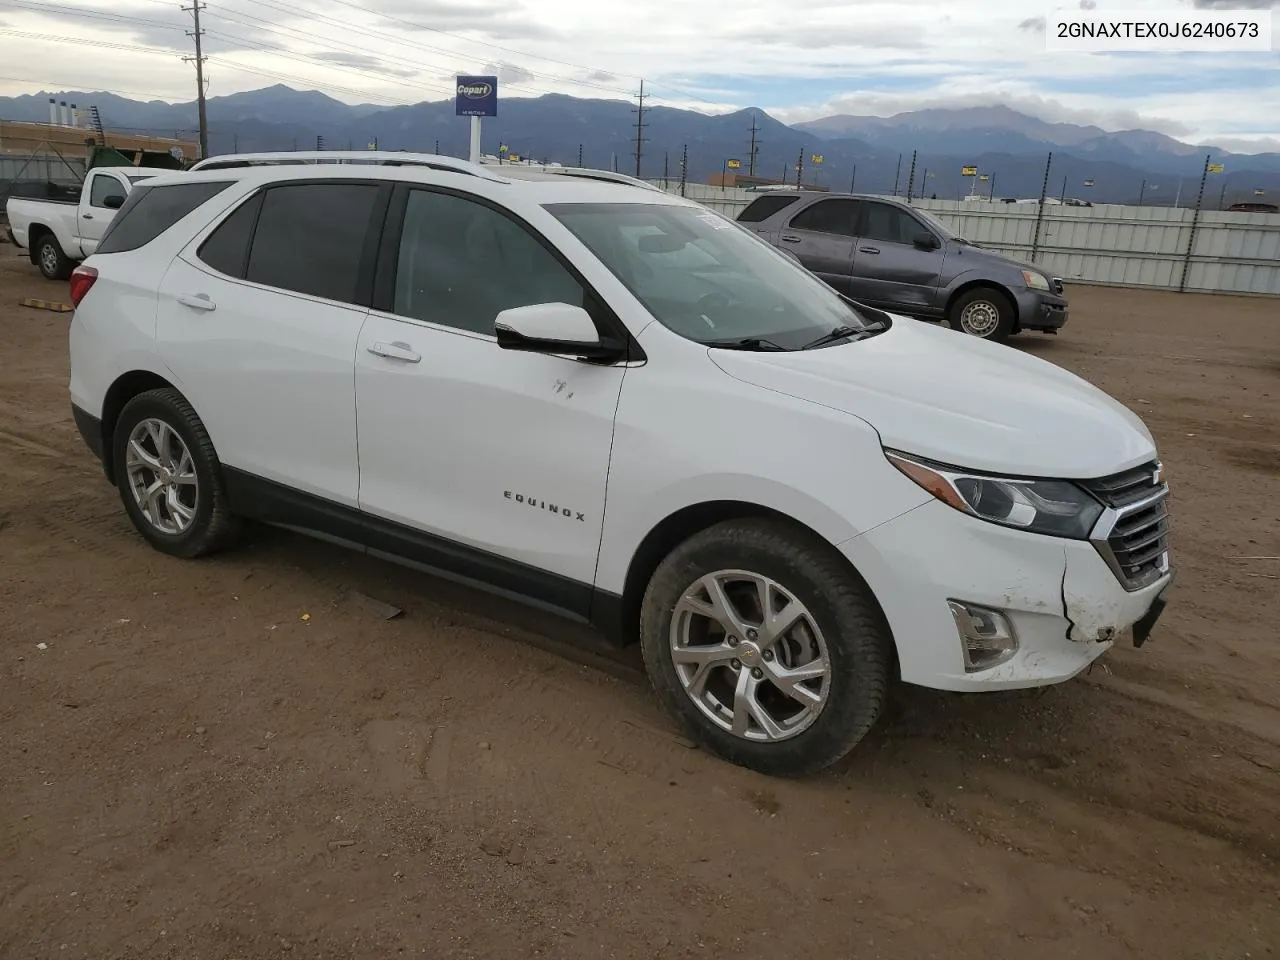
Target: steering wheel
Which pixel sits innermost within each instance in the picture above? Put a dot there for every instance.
(712, 302)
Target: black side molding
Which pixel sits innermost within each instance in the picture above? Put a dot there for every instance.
(280, 505)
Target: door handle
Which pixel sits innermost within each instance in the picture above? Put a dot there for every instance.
(197, 301)
(395, 351)
(868, 249)
(87, 216)
(788, 239)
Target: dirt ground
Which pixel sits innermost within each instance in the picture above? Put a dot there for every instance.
(232, 759)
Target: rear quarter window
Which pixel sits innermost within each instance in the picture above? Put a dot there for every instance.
(762, 208)
(149, 211)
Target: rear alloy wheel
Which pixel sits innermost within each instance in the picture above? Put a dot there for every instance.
(764, 644)
(169, 477)
(53, 263)
(984, 313)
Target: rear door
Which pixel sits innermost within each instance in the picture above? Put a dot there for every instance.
(94, 214)
(258, 319)
(821, 236)
(889, 269)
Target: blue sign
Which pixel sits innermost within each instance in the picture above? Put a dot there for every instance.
(477, 97)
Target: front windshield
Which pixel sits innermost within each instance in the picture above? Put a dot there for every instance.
(706, 278)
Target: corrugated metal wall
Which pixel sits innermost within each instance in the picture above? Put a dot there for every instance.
(1110, 244)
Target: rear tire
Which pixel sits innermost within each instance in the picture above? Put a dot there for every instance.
(781, 700)
(983, 312)
(169, 477)
(53, 263)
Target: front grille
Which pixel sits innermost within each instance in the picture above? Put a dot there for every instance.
(1133, 533)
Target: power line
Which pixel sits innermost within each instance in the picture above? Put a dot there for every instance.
(199, 60)
(348, 28)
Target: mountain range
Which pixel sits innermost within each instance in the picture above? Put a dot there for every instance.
(1009, 147)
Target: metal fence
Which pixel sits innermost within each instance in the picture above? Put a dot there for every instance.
(1110, 244)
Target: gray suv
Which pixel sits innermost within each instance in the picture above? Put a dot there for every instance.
(892, 256)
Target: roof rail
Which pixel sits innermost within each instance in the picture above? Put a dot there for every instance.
(395, 158)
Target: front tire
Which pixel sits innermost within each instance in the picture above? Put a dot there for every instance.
(51, 260)
(169, 477)
(765, 646)
(983, 312)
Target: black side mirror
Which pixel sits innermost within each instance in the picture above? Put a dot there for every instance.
(113, 202)
(926, 241)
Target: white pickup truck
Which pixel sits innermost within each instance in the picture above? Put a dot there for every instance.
(58, 233)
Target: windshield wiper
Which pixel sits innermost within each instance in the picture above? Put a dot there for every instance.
(839, 333)
(745, 343)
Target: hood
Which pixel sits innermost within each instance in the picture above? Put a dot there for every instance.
(953, 398)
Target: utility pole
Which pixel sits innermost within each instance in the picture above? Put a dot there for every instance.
(800, 170)
(1141, 191)
(755, 147)
(199, 59)
(666, 167)
(911, 180)
(853, 179)
(897, 174)
(1062, 199)
(640, 125)
(579, 155)
(684, 168)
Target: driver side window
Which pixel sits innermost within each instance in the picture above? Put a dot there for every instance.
(461, 263)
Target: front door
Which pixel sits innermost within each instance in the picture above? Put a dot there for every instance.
(821, 236)
(259, 326)
(488, 462)
(889, 269)
(94, 214)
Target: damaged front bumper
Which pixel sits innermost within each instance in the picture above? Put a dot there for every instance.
(1058, 598)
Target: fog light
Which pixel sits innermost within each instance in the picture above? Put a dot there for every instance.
(986, 636)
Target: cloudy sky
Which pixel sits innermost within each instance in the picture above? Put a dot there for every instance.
(798, 61)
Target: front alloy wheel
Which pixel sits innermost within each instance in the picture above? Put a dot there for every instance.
(766, 646)
(749, 655)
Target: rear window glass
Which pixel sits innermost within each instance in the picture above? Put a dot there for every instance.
(150, 211)
(762, 208)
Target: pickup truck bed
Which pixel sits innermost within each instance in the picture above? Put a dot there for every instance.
(56, 232)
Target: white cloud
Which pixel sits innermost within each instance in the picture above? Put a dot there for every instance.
(870, 58)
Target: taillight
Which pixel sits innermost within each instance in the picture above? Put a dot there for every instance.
(82, 279)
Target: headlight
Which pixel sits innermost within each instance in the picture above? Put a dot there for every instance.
(1036, 281)
(1055, 508)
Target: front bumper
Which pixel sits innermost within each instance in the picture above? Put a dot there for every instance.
(1038, 310)
(1066, 606)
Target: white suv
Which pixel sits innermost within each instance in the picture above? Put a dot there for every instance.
(618, 405)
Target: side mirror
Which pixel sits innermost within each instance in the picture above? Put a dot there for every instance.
(113, 202)
(554, 328)
(926, 241)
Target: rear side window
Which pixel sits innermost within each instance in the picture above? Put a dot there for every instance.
(227, 248)
(311, 237)
(828, 216)
(149, 211)
(762, 208)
